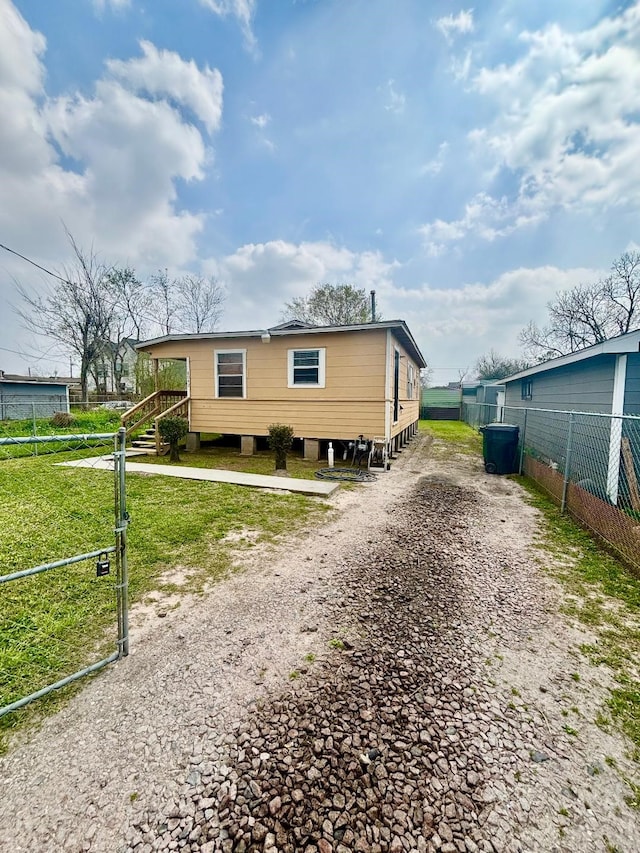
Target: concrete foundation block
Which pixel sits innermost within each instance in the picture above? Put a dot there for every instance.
(193, 441)
(311, 449)
(247, 445)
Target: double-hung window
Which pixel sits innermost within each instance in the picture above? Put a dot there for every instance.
(307, 368)
(231, 374)
(527, 389)
(410, 381)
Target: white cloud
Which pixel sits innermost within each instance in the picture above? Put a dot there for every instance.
(566, 129)
(165, 73)
(243, 10)
(261, 121)
(455, 326)
(262, 277)
(106, 163)
(459, 24)
(434, 166)
(395, 101)
(117, 5)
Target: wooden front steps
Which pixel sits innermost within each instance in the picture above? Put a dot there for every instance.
(147, 441)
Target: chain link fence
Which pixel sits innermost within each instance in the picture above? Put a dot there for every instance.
(588, 463)
(20, 420)
(63, 562)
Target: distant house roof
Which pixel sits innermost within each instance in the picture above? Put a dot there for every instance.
(614, 346)
(35, 380)
(296, 327)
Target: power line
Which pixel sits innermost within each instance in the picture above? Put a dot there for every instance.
(34, 264)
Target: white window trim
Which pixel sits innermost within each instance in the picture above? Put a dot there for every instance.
(321, 368)
(218, 352)
(411, 381)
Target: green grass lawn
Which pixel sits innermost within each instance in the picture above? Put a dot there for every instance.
(458, 435)
(56, 622)
(83, 423)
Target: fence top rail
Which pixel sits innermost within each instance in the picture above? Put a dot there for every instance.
(559, 411)
(40, 439)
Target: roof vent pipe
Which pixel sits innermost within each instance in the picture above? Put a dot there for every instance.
(373, 306)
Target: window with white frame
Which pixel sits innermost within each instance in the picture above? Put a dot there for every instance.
(231, 374)
(411, 381)
(307, 368)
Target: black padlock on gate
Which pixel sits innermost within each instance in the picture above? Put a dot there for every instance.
(103, 566)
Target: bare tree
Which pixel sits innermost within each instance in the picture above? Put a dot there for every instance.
(331, 305)
(588, 314)
(493, 366)
(163, 291)
(76, 312)
(426, 377)
(130, 317)
(201, 301)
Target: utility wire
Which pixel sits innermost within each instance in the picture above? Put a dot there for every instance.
(63, 280)
(34, 264)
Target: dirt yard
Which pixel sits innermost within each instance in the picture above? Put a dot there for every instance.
(395, 680)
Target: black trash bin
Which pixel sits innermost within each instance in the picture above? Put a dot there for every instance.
(500, 448)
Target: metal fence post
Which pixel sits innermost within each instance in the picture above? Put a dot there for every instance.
(522, 441)
(122, 518)
(35, 427)
(567, 464)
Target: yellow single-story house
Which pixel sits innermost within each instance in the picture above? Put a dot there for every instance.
(327, 382)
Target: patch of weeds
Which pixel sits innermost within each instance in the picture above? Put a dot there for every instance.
(517, 776)
(310, 657)
(564, 712)
(133, 796)
(611, 762)
(570, 731)
(609, 847)
(515, 691)
(563, 811)
(336, 643)
(512, 706)
(575, 676)
(459, 436)
(294, 674)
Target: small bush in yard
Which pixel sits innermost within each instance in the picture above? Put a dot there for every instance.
(62, 419)
(280, 441)
(172, 429)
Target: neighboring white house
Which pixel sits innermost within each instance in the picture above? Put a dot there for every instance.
(115, 371)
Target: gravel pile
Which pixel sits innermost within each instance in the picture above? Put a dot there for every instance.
(393, 742)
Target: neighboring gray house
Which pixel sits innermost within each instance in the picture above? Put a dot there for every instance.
(26, 396)
(604, 378)
(482, 391)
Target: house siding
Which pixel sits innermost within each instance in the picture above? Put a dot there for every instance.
(584, 387)
(632, 388)
(352, 401)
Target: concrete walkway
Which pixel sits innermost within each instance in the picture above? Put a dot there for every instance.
(213, 475)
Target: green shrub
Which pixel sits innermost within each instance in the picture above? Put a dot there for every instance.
(280, 441)
(172, 429)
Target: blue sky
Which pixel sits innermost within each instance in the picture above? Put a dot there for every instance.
(467, 163)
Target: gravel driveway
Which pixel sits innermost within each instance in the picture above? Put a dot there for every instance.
(394, 680)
